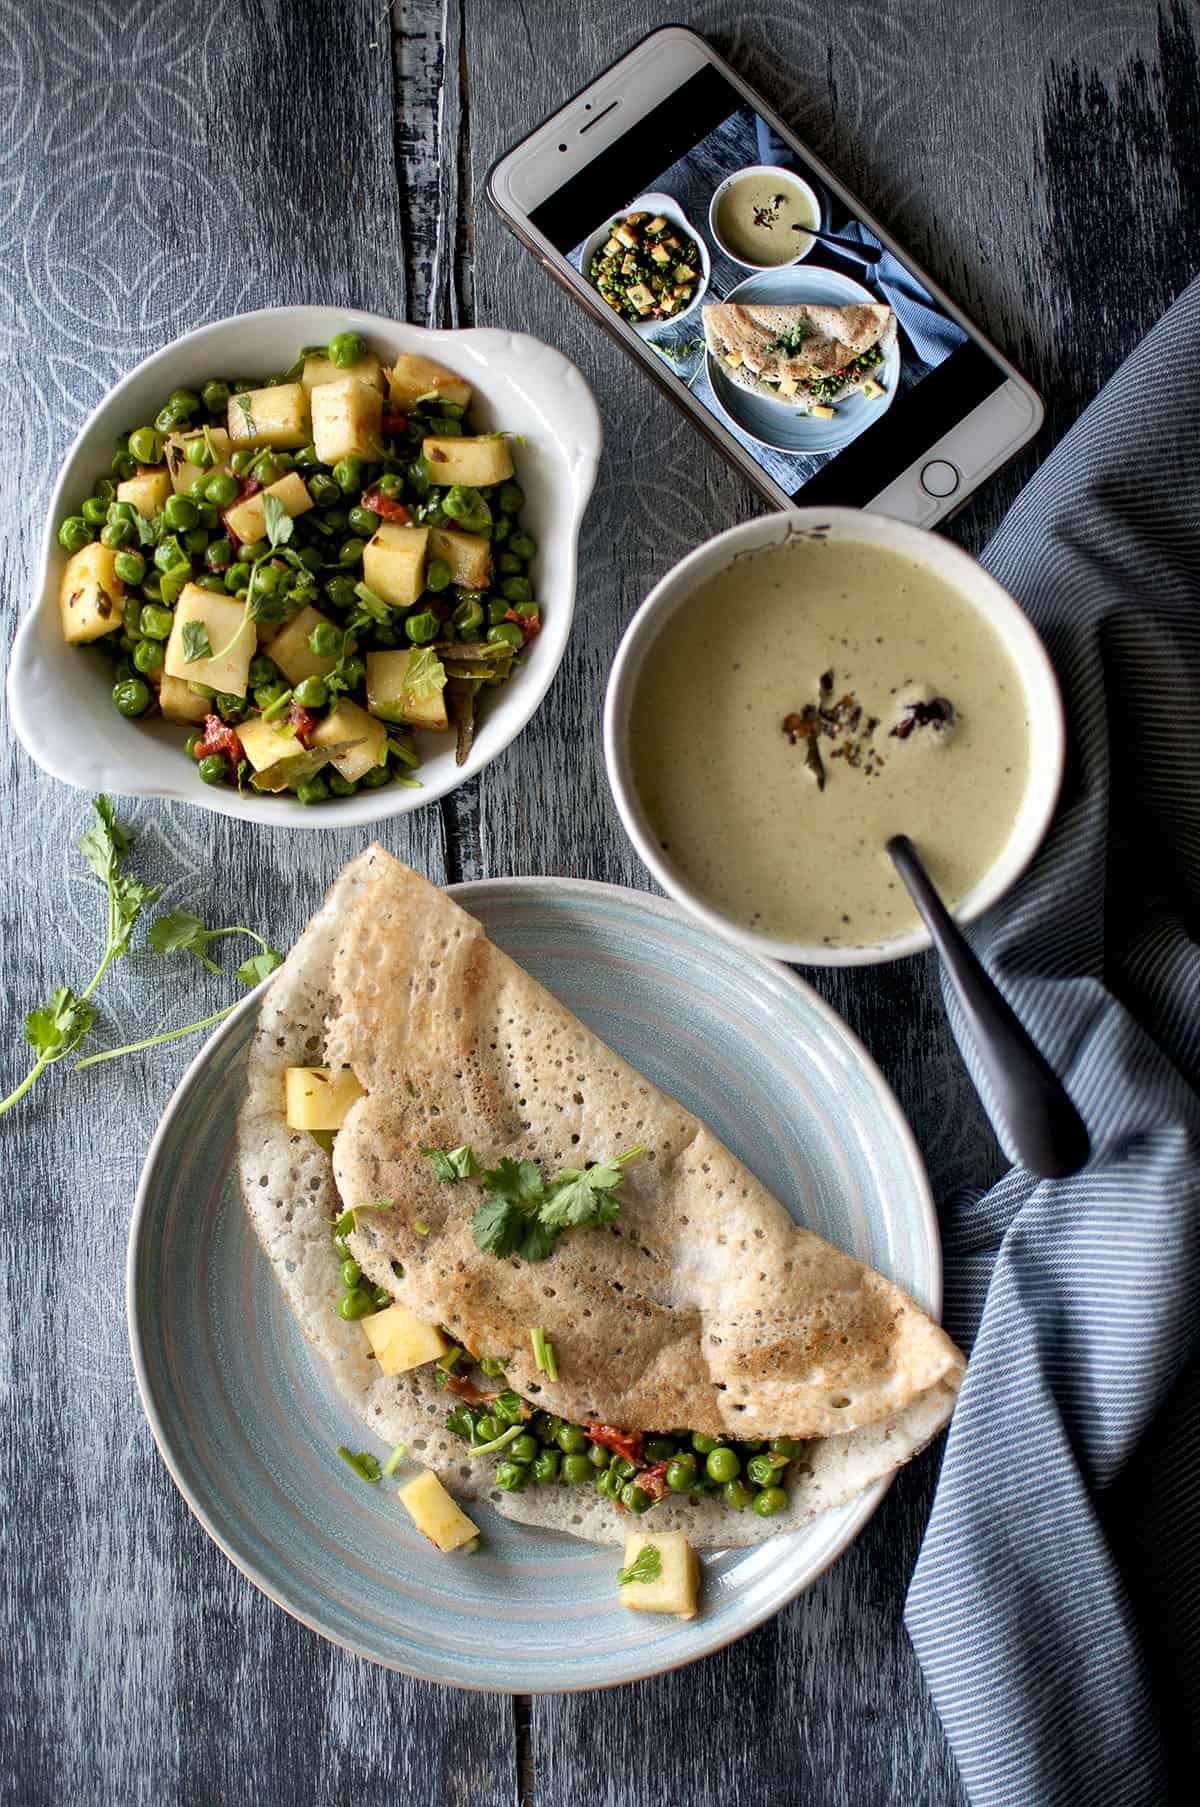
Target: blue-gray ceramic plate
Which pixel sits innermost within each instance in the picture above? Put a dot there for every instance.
(777, 423)
(249, 1424)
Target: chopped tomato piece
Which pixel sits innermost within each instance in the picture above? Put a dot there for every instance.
(385, 507)
(393, 422)
(219, 737)
(530, 625)
(653, 1480)
(302, 720)
(622, 1443)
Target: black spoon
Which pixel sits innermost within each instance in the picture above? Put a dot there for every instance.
(865, 254)
(1045, 1129)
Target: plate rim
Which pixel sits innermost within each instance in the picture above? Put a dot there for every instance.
(462, 892)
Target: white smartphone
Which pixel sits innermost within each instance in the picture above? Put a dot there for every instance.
(673, 148)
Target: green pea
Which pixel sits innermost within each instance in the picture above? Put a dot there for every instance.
(722, 1464)
(544, 1425)
(357, 1303)
(148, 656)
(156, 623)
(95, 511)
(351, 1272)
(123, 511)
(419, 479)
(312, 693)
(131, 696)
(131, 621)
(130, 567)
(438, 575)
(346, 350)
(165, 421)
(195, 541)
(209, 515)
(507, 1407)
(770, 1500)
(180, 513)
(634, 1498)
(459, 501)
(196, 488)
(221, 488)
(336, 519)
(340, 591)
(171, 583)
(306, 457)
(350, 553)
(622, 1467)
(422, 628)
(316, 790)
(659, 1449)
(237, 577)
(230, 708)
(263, 670)
(106, 489)
(703, 1445)
(391, 484)
(198, 452)
(523, 546)
(268, 468)
(322, 487)
(215, 395)
(497, 610)
(209, 580)
(348, 474)
(266, 694)
(381, 1296)
(254, 549)
(681, 1473)
(737, 1494)
(182, 403)
(467, 619)
(508, 564)
(785, 1446)
(194, 740)
(326, 640)
(511, 498)
(516, 589)
(145, 445)
(598, 1456)
(523, 1448)
(572, 1440)
(363, 521)
(376, 778)
(213, 768)
(489, 1428)
(507, 633)
(218, 555)
(167, 553)
(152, 586)
(762, 1470)
(513, 1477)
(123, 465)
(242, 461)
(576, 1468)
(606, 1483)
(545, 1466)
(117, 533)
(268, 580)
(74, 533)
(339, 786)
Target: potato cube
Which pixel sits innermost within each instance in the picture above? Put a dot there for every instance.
(401, 1341)
(660, 254)
(641, 297)
(347, 420)
(626, 235)
(148, 491)
(788, 385)
(435, 1514)
(350, 723)
(412, 378)
(657, 223)
(92, 597)
(675, 1587)
(179, 702)
(292, 653)
(301, 765)
(822, 413)
(184, 473)
(469, 556)
(319, 1097)
(266, 743)
(247, 520)
(323, 370)
(387, 697)
(484, 459)
(276, 417)
(611, 247)
(733, 359)
(231, 639)
(394, 562)
(684, 273)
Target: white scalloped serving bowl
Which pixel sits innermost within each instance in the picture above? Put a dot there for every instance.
(58, 701)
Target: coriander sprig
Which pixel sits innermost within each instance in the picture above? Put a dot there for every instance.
(279, 528)
(57, 1029)
(646, 1566)
(525, 1216)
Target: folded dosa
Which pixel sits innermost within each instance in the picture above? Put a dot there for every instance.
(702, 1305)
(772, 343)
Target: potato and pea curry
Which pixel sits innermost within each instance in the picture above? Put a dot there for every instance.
(304, 570)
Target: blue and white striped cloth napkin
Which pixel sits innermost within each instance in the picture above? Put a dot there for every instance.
(1056, 1604)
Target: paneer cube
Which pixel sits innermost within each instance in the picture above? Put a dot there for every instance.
(822, 412)
(266, 744)
(323, 370)
(871, 392)
(183, 471)
(435, 1514)
(148, 491)
(733, 359)
(401, 1341)
(473, 461)
(292, 653)
(394, 562)
(179, 702)
(92, 597)
(788, 385)
(319, 1097)
(276, 417)
(388, 698)
(247, 520)
(231, 639)
(367, 739)
(675, 1587)
(411, 378)
(347, 420)
(469, 556)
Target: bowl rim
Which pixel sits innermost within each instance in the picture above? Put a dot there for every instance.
(764, 169)
(1020, 639)
(363, 808)
(664, 203)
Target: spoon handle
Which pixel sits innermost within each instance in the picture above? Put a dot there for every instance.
(863, 254)
(1043, 1125)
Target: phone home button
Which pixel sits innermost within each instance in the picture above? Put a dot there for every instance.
(939, 478)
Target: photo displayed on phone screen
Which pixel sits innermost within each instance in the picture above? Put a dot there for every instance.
(800, 348)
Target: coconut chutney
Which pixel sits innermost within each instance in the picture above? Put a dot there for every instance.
(808, 702)
(761, 218)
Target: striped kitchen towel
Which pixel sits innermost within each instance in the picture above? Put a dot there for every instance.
(1055, 1607)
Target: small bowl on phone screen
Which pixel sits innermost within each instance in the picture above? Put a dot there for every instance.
(670, 209)
(757, 217)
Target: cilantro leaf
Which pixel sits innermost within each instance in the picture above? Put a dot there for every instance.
(523, 1216)
(106, 843)
(196, 643)
(498, 1227)
(244, 403)
(424, 675)
(129, 897)
(179, 929)
(59, 1025)
(584, 1195)
(258, 966)
(538, 1241)
(279, 523)
(646, 1566)
(451, 1164)
(520, 1182)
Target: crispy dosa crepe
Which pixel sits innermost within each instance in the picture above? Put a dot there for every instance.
(661, 1319)
(777, 344)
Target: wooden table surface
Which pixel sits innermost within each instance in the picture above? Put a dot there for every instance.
(165, 162)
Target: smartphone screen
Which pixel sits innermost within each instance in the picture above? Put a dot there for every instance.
(727, 199)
